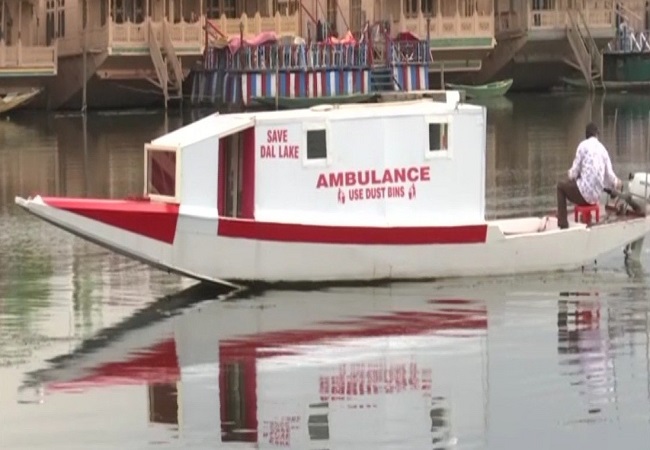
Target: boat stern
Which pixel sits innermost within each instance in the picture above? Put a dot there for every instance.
(140, 229)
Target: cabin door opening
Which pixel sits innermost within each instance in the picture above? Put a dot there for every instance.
(236, 174)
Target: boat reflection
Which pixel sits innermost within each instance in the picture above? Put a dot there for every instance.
(591, 363)
(273, 372)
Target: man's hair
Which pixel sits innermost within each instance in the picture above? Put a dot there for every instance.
(591, 130)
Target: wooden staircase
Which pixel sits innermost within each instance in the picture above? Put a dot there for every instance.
(169, 71)
(588, 59)
(504, 52)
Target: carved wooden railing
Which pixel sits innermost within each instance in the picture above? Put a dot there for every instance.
(253, 26)
(21, 56)
(136, 35)
(476, 25)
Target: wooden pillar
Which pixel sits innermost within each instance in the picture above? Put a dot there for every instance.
(20, 24)
(20, 20)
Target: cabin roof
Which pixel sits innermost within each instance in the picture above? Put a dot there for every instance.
(208, 127)
(217, 125)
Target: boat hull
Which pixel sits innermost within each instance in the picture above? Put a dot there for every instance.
(201, 245)
(491, 90)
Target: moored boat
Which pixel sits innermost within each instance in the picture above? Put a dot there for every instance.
(581, 84)
(489, 90)
(330, 194)
(14, 99)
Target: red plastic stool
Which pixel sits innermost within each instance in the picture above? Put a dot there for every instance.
(584, 212)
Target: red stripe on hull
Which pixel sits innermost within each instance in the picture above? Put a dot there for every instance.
(267, 231)
(151, 219)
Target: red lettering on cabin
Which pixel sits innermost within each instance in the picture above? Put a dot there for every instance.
(372, 176)
(279, 136)
(381, 184)
(277, 146)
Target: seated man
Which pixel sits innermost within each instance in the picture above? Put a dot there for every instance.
(589, 175)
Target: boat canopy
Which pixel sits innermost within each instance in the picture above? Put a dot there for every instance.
(213, 126)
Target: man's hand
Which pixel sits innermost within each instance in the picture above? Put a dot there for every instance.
(619, 185)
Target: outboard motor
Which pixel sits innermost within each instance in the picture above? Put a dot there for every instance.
(633, 198)
(636, 198)
(639, 186)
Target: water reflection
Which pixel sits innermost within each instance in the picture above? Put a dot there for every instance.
(391, 367)
(584, 345)
(333, 376)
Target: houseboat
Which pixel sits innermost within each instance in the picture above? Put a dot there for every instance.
(101, 53)
(538, 42)
(329, 194)
(27, 61)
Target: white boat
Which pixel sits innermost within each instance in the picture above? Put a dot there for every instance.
(330, 194)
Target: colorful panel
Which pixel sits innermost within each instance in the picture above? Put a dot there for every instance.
(324, 83)
(411, 78)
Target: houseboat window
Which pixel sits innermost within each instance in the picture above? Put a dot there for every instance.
(316, 144)
(216, 8)
(285, 7)
(437, 137)
(410, 8)
(356, 16)
(103, 11)
(60, 18)
(332, 14)
(161, 172)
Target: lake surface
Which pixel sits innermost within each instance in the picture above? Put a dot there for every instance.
(98, 352)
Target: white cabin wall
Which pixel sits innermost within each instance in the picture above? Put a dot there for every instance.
(285, 188)
(199, 165)
(462, 187)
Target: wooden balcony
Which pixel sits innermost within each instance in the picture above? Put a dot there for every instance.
(448, 27)
(21, 60)
(133, 38)
(282, 25)
(548, 23)
(557, 19)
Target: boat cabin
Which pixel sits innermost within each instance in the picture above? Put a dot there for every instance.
(386, 164)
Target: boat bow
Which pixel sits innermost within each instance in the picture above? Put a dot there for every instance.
(142, 230)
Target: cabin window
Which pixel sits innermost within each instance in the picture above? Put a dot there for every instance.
(316, 144)
(437, 137)
(161, 172)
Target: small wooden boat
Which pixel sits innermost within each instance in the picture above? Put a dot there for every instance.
(308, 102)
(496, 89)
(12, 100)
